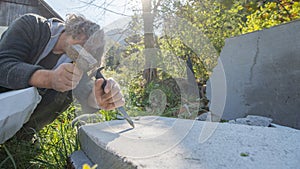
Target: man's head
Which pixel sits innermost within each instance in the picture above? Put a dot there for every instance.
(87, 34)
(79, 28)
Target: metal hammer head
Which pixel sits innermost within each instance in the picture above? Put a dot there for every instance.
(83, 59)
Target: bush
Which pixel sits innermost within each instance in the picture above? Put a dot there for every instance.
(159, 97)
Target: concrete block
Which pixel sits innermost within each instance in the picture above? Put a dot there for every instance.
(78, 159)
(261, 76)
(16, 109)
(168, 143)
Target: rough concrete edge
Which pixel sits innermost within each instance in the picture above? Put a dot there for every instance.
(105, 159)
(77, 159)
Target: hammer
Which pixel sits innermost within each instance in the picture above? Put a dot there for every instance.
(82, 58)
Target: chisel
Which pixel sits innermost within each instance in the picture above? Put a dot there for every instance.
(120, 109)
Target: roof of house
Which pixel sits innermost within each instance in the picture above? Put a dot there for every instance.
(50, 9)
(11, 9)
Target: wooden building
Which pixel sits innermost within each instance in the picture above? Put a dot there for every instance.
(11, 9)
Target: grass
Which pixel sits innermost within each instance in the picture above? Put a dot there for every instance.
(244, 154)
(54, 144)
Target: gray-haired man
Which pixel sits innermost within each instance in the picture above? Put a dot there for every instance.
(32, 54)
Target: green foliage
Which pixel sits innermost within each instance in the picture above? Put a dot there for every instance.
(18, 154)
(109, 115)
(199, 31)
(57, 141)
(214, 19)
(160, 97)
(244, 154)
(271, 14)
(136, 92)
(50, 150)
(190, 29)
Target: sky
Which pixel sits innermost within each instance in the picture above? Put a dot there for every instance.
(100, 16)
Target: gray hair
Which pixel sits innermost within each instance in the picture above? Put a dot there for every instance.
(78, 24)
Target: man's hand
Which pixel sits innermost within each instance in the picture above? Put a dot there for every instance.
(109, 98)
(66, 77)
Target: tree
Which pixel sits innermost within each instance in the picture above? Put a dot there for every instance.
(202, 28)
(150, 72)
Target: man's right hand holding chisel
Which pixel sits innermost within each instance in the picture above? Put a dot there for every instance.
(108, 98)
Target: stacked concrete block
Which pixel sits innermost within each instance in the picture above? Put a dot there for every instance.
(259, 75)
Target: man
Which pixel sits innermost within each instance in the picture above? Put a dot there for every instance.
(32, 54)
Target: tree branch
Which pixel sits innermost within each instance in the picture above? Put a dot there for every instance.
(91, 3)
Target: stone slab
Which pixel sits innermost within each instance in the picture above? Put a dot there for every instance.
(261, 76)
(78, 158)
(168, 143)
(16, 108)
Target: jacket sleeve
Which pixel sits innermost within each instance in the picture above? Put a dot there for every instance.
(17, 54)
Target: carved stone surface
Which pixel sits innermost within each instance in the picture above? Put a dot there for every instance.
(168, 143)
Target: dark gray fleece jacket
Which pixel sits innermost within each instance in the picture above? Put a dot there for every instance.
(20, 47)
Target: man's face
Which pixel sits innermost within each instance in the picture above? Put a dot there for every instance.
(80, 39)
